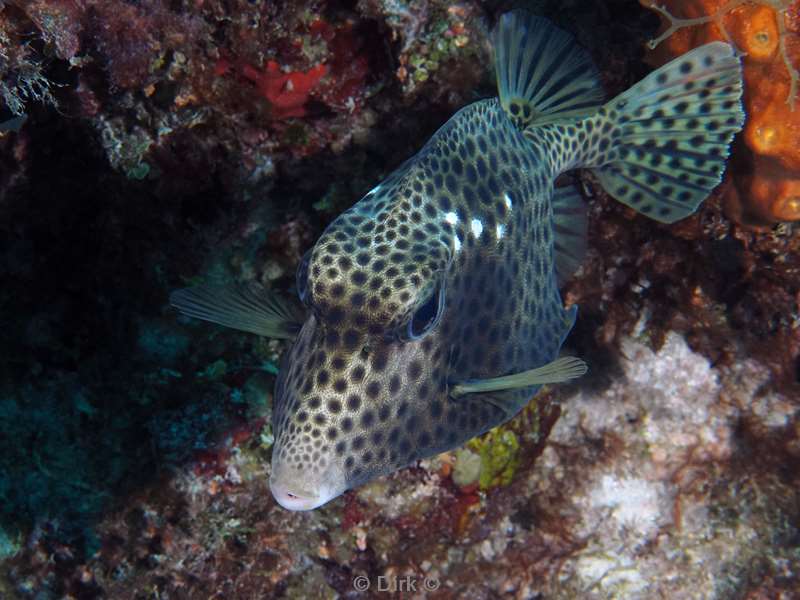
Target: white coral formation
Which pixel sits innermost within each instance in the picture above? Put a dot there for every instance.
(644, 511)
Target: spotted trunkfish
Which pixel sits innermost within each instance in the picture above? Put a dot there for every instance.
(430, 312)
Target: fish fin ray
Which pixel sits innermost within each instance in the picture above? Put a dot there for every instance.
(558, 371)
(668, 136)
(569, 228)
(542, 74)
(247, 307)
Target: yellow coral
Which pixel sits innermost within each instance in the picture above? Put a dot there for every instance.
(499, 452)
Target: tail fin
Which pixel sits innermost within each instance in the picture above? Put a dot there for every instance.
(662, 144)
(542, 74)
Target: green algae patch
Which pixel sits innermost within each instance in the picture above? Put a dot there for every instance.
(499, 457)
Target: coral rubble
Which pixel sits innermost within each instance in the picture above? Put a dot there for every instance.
(766, 160)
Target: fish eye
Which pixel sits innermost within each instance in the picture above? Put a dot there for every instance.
(426, 316)
(301, 281)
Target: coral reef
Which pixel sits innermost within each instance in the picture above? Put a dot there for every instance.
(22, 79)
(150, 76)
(215, 140)
(766, 159)
(673, 460)
(432, 34)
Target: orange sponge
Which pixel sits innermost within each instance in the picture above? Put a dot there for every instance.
(765, 166)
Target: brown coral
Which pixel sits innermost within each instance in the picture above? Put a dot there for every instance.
(767, 158)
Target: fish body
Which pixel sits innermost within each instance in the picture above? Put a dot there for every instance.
(469, 217)
(432, 308)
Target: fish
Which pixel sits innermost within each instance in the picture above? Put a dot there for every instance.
(429, 312)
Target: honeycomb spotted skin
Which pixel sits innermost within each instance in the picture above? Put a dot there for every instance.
(471, 211)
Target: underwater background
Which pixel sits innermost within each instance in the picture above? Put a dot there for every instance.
(146, 145)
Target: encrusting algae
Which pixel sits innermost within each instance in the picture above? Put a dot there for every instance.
(499, 453)
(430, 311)
(766, 177)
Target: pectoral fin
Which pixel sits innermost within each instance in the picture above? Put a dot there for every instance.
(247, 307)
(560, 370)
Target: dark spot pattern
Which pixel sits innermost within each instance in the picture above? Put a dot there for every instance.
(460, 211)
(471, 215)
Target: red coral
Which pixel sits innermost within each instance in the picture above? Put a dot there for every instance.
(346, 68)
(286, 92)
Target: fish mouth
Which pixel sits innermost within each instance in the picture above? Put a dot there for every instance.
(293, 499)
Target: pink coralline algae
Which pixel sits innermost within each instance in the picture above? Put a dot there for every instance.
(59, 22)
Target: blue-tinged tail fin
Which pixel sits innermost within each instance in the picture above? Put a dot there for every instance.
(661, 146)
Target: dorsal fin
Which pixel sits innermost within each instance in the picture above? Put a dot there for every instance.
(542, 74)
(569, 231)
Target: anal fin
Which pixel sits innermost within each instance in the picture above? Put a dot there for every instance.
(569, 231)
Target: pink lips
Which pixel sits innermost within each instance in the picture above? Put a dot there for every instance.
(291, 500)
